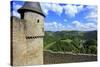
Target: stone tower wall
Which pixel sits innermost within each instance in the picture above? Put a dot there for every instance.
(35, 51)
(34, 32)
(34, 25)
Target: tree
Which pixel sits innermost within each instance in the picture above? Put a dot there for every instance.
(90, 45)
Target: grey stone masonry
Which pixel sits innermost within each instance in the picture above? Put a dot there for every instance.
(27, 35)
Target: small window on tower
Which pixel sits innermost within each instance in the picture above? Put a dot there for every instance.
(38, 21)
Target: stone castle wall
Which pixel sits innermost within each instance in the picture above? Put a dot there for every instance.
(55, 57)
(18, 46)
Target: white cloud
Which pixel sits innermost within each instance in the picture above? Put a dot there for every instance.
(84, 27)
(76, 25)
(80, 8)
(92, 7)
(54, 26)
(18, 6)
(91, 25)
(65, 20)
(72, 10)
(45, 7)
(57, 8)
(51, 6)
(15, 13)
(92, 15)
(15, 8)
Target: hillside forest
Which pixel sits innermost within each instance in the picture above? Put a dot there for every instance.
(71, 41)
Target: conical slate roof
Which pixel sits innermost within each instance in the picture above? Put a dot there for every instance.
(31, 6)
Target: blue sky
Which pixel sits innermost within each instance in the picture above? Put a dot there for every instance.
(65, 16)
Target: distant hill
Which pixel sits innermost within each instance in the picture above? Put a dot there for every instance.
(90, 35)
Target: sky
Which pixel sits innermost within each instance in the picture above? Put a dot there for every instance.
(63, 17)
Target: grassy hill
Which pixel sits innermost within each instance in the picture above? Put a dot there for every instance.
(71, 41)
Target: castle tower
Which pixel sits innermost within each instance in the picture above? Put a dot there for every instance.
(34, 31)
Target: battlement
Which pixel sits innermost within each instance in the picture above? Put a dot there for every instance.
(68, 57)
